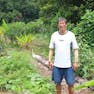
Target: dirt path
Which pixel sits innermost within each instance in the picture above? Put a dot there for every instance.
(43, 70)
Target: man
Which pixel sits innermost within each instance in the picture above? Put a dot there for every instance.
(62, 41)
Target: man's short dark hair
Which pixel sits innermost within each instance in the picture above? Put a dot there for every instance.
(62, 19)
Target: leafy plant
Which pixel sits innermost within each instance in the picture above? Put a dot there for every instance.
(3, 41)
(84, 32)
(18, 75)
(5, 25)
(24, 40)
(85, 28)
(15, 29)
(85, 85)
(86, 61)
(35, 26)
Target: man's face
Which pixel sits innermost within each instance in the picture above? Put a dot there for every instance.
(62, 25)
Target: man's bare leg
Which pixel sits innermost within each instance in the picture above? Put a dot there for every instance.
(70, 89)
(58, 88)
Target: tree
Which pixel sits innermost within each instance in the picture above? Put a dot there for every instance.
(13, 10)
(71, 9)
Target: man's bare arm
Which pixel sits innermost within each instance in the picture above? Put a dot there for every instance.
(76, 55)
(75, 64)
(51, 51)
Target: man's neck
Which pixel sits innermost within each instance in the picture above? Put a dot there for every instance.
(62, 32)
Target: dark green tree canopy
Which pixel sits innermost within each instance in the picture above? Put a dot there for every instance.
(19, 10)
(29, 10)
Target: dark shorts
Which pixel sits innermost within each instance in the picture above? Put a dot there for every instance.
(59, 73)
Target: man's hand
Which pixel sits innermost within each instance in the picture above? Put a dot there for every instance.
(50, 64)
(75, 66)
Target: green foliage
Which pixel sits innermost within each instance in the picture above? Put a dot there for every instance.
(24, 40)
(85, 85)
(12, 68)
(13, 16)
(19, 76)
(54, 23)
(86, 61)
(72, 10)
(3, 41)
(15, 29)
(35, 26)
(3, 44)
(85, 28)
(19, 10)
(20, 28)
(70, 26)
(85, 31)
(29, 10)
(4, 26)
(40, 85)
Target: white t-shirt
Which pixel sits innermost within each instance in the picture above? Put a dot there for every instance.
(62, 45)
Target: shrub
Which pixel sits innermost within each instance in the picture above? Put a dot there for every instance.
(35, 26)
(86, 61)
(85, 28)
(3, 41)
(24, 40)
(15, 29)
(84, 32)
(70, 26)
(18, 75)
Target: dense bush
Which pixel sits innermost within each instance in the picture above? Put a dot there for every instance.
(3, 39)
(20, 28)
(70, 26)
(15, 29)
(85, 28)
(3, 44)
(19, 76)
(86, 62)
(85, 38)
(35, 26)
